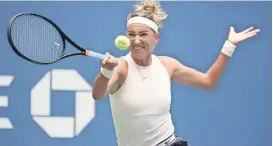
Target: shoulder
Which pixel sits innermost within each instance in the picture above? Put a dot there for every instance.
(166, 58)
(168, 61)
(171, 64)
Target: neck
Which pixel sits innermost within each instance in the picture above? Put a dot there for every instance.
(147, 61)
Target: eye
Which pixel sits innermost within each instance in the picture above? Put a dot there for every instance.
(143, 34)
(131, 34)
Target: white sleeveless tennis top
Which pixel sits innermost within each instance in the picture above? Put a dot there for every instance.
(140, 108)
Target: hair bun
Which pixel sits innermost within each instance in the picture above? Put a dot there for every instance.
(151, 6)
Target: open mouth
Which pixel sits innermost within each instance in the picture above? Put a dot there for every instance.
(138, 47)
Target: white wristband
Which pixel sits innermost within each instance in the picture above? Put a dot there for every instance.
(228, 48)
(107, 73)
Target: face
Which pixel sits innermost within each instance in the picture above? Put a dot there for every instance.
(143, 39)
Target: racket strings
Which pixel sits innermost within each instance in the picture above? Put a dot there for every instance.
(36, 39)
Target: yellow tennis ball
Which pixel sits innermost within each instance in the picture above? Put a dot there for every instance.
(122, 42)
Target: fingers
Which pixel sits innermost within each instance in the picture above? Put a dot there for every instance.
(109, 62)
(247, 30)
(252, 33)
(105, 60)
(250, 30)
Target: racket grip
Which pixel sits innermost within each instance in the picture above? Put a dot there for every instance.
(96, 55)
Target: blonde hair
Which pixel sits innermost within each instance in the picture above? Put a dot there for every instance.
(149, 9)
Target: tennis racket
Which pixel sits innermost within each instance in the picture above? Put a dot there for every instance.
(39, 40)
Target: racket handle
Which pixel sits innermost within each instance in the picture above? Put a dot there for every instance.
(96, 55)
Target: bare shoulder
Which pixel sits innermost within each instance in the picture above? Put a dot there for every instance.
(167, 59)
(169, 63)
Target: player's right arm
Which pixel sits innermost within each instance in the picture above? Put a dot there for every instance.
(102, 84)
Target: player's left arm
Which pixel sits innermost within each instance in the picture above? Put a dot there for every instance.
(208, 80)
(190, 77)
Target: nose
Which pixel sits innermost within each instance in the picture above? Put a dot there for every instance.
(137, 40)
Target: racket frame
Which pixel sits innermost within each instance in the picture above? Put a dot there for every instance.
(64, 37)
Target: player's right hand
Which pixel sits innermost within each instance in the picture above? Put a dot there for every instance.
(110, 62)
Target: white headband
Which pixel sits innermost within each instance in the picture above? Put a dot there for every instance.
(143, 20)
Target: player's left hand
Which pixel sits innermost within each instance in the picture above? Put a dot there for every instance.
(236, 38)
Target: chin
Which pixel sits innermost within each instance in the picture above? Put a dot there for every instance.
(139, 54)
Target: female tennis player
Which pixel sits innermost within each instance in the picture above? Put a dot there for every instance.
(139, 87)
